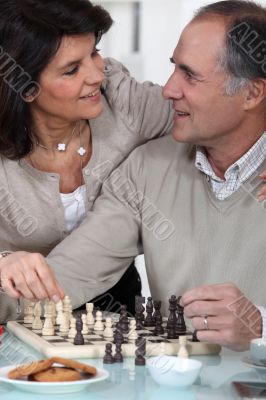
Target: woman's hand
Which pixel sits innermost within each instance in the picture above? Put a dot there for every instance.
(261, 195)
(29, 275)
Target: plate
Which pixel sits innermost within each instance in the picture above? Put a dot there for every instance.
(253, 364)
(51, 387)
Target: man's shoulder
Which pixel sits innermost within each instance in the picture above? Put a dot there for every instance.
(164, 149)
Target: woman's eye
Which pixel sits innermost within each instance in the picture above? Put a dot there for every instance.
(95, 51)
(72, 71)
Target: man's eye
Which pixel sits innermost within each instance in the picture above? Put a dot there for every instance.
(72, 71)
(189, 75)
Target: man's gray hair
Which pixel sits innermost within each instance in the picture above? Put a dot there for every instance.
(244, 55)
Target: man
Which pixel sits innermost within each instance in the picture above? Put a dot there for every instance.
(187, 201)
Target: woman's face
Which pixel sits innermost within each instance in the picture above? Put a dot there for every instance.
(70, 84)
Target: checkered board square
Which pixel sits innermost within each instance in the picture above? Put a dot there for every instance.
(60, 345)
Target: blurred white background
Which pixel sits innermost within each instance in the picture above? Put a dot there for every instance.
(145, 48)
(143, 37)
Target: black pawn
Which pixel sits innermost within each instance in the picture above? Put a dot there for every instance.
(108, 357)
(79, 339)
(157, 307)
(181, 328)
(159, 330)
(118, 352)
(171, 323)
(149, 311)
(118, 336)
(194, 337)
(139, 301)
(140, 351)
(123, 321)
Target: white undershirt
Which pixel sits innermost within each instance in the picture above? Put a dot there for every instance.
(74, 207)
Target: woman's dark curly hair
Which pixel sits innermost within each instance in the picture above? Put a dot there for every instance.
(31, 32)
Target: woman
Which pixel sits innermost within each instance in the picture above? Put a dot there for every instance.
(67, 119)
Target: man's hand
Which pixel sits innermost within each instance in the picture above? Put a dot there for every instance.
(29, 275)
(232, 320)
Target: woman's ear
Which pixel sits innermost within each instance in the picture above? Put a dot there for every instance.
(31, 92)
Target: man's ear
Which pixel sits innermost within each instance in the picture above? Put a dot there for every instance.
(255, 93)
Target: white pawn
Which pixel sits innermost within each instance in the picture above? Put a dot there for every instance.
(28, 312)
(37, 322)
(64, 326)
(108, 332)
(132, 335)
(59, 310)
(72, 331)
(99, 326)
(67, 306)
(85, 328)
(48, 328)
(182, 352)
(53, 311)
(90, 317)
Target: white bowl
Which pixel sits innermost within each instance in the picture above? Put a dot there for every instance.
(174, 371)
(258, 350)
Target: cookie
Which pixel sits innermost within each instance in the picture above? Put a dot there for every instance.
(56, 374)
(27, 369)
(76, 365)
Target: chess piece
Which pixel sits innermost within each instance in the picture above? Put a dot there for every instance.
(181, 328)
(140, 351)
(139, 309)
(133, 335)
(37, 312)
(85, 329)
(64, 326)
(99, 326)
(183, 352)
(48, 327)
(118, 337)
(157, 307)
(194, 337)
(171, 323)
(108, 357)
(108, 332)
(79, 339)
(138, 317)
(59, 312)
(149, 311)
(67, 308)
(118, 357)
(90, 317)
(159, 330)
(72, 331)
(28, 312)
(123, 321)
(53, 311)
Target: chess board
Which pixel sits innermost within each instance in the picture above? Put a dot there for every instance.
(94, 347)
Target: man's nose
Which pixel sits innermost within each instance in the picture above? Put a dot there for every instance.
(173, 89)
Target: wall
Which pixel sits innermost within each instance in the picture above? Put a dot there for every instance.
(160, 25)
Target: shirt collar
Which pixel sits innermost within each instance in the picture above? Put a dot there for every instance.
(245, 166)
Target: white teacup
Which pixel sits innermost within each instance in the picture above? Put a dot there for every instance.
(258, 350)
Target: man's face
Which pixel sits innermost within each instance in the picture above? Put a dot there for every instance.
(204, 114)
